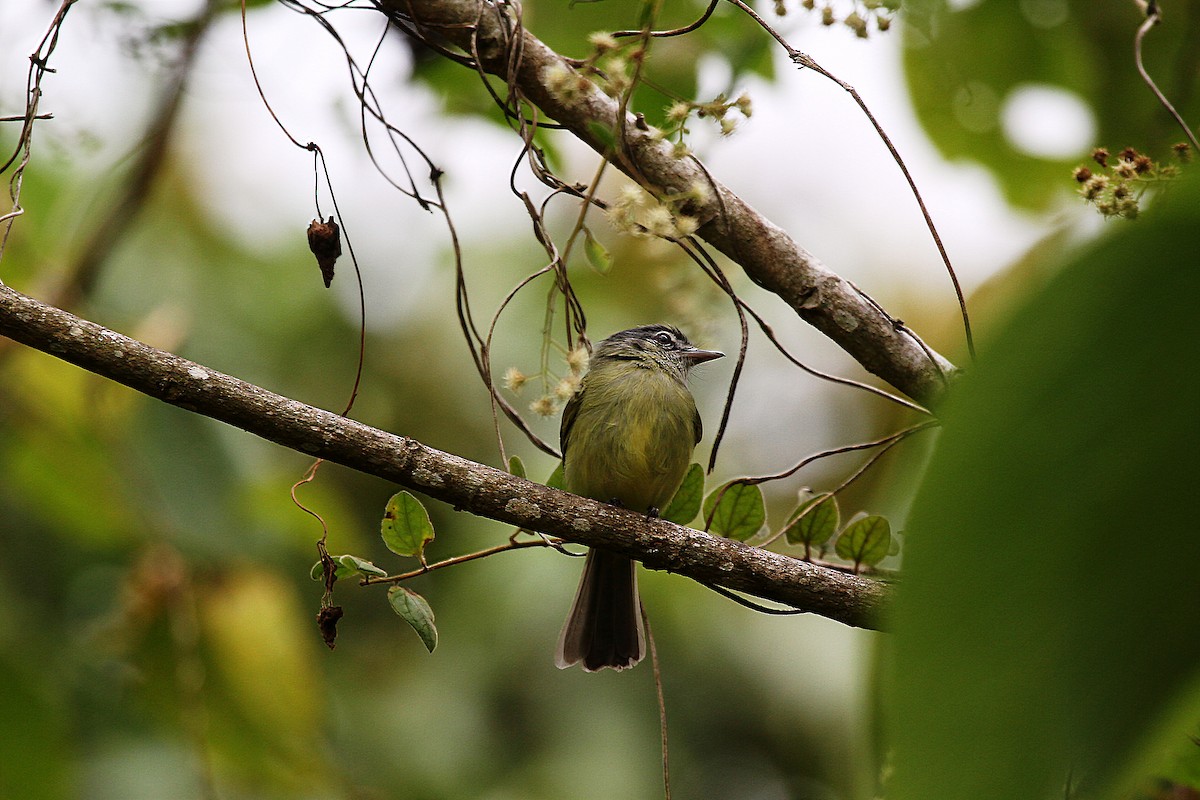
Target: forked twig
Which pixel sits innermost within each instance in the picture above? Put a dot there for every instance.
(1153, 17)
(806, 61)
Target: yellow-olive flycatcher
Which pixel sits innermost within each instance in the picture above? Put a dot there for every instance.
(627, 438)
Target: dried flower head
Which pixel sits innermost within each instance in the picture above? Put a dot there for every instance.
(577, 360)
(565, 389)
(1125, 169)
(603, 41)
(514, 379)
(544, 406)
(686, 225)
(678, 112)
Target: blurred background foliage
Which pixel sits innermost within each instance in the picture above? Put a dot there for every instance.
(159, 640)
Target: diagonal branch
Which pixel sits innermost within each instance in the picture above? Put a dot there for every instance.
(464, 484)
(491, 33)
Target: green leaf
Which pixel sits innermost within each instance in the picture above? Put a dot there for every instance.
(819, 520)
(865, 541)
(516, 466)
(414, 610)
(686, 503)
(354, 564)
(555, 481)
(347, 565)
(740, 513)
(1073, 654)
(597, 255)
(406, 527)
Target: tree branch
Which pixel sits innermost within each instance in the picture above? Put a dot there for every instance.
(464, 484)
(770, 257)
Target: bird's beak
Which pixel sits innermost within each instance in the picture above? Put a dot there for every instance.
(698, 356)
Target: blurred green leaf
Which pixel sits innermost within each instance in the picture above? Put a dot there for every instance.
(819, 520)
(865, 541)
(597, 255)
(1034, 644)
(739, 514)
(686, 503)
(414, 610)
(406, 527)
(516, 466)
(555, 481)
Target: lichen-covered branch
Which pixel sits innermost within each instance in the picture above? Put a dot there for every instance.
(769, 256)
(464, 484)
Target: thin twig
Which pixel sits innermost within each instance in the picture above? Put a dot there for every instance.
(806, 61)
(712, 6)
(858, 473)
(834, 451)
(750, 604)
(22, 117)
(39, 66)
(450, 562)
(662, 701)
(1153, 17)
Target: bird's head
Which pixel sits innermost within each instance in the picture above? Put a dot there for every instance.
(650, 346)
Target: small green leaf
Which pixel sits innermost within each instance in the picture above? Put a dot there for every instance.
(516, 466)
(355, 565)
(406, 527)
(819, 518)
(686, 503)
(740, 512)
(597, 255)
(865, 541)
(347, 565)
(555, 481)
(414, 610)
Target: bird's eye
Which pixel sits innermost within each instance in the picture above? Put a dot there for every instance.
(665, 338)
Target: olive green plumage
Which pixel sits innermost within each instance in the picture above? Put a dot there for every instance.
(627, 438)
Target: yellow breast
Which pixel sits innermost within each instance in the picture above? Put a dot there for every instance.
(632, 437)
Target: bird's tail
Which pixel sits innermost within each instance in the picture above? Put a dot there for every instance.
(604, 628)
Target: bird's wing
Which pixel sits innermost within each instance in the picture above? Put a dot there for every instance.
(568, 419)
(697, 424)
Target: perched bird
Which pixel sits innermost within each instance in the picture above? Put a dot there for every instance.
(627, 438)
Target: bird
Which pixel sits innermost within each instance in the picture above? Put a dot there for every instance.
(627, 437)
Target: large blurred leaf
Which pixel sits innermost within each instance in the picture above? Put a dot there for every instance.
(963, 64)
(1049, 617)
